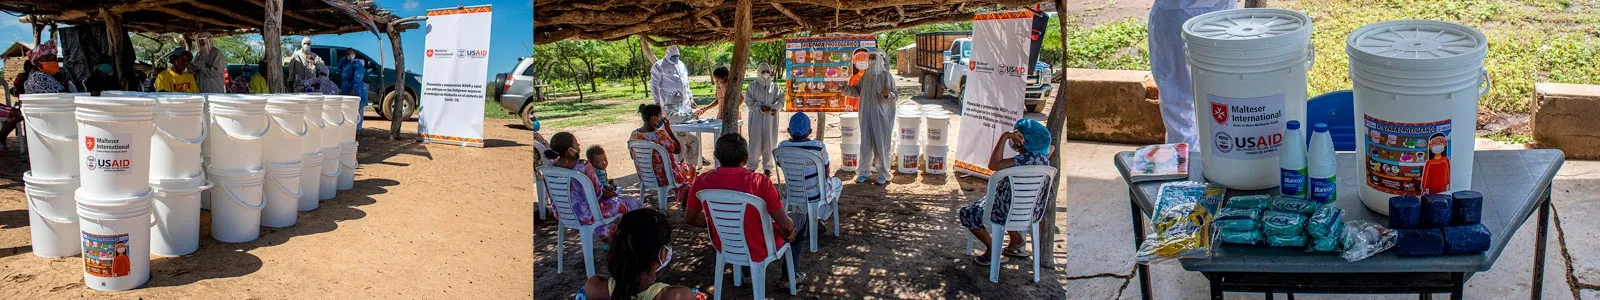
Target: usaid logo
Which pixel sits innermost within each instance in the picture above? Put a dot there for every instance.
(475, 53)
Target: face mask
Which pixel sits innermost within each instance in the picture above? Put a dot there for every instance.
(673, 59)
(1439, 149)
(535, 125)
(50, 67)
(105, 68)
(861, 65)
(664, 262)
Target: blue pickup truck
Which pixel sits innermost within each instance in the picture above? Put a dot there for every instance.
(412, 85)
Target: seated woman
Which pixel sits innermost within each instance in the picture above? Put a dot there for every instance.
(655, 130)
(640, 250)
(1032, 142)
(564, 150)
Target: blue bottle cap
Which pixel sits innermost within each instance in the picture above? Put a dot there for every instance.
(1319, 127)
(1294, 124)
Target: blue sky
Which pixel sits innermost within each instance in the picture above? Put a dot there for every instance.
(511, 36)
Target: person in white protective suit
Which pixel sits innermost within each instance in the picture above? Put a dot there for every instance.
(669, 85)
(764, 100)
(208, 66)
(874, 85)
(1169, 66)
(302, 65)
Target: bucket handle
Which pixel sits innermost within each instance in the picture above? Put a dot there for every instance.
(309, 122)
(285, 189)
(1311, 59)
(302, 132)
(1488, 83)
(30, 120)
(264, 128)
(335, 173)
(205, 130)
(347, 117)
(56, 220)
(351, 166)
(236, 198)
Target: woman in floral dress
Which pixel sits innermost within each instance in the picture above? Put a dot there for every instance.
(655, 130)
(564, 150)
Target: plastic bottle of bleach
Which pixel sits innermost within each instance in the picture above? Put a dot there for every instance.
(1322, 169)
(1292, 161)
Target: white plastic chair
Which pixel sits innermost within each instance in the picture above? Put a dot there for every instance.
(1028, 184)
(727, 210)
(644, 157)
(559, 181)
(541, 193)
(811, 194)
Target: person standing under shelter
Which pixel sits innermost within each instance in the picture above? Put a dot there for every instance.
(353, 71)
(302, 65)
(1170, 67)
(873, 84)
(669, 85)
(208, 66)
(176, 78)
(764, 100)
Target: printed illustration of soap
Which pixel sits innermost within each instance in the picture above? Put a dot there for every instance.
(1467, 208)
(1296, 204)
(1435, 210)
(1419, 242)
(1283, 223)
(1405, 212)
(1466, 239)
(1249, 201)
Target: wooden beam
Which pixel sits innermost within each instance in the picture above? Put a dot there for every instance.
(271, 25)
(223, 11)
(73, 15)
(115, 35)
(292, 15)
(187, 16)
(786, 12)
(1057, 123)
(732, 93)
(902, 11)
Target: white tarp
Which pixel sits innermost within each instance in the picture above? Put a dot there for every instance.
(995, 85)
(454, 64)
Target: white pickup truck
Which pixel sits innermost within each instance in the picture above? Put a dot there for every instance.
(953, 68)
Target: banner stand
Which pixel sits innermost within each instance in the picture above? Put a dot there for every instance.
(455, 63)
(1005, 47)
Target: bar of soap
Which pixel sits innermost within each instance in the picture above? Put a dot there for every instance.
(1466, 239)
(1296, 204)
(1329, 244)
(1405, 212)
(1283, 223)
(1419, 242)
(1246, 237)
(1250, 202)
(1435, 210)
(1238, 219)
(1286, 240)
(1326, 222)
(1467, 208)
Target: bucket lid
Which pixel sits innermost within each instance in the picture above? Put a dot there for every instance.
(180, 184)
(283, 166)
(27, 177)
(237, 177)
(850, 115)
(53, 98)
(88, 199)
(908, 149)
(236, 100)
(1420, 44)
(118, 101)
(1247, 28)
(939, 116)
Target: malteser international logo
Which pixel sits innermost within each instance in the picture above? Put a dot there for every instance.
(88, 143)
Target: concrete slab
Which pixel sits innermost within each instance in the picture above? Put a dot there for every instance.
(1577, 199)
(1099, 233)
(1590, 294)
(1095, 288)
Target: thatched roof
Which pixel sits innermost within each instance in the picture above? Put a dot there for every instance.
(695, 22)
(300, 17)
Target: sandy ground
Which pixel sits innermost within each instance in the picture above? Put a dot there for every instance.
(900, 241)
(424, 221)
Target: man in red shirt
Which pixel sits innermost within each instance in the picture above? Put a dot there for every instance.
(731, 174)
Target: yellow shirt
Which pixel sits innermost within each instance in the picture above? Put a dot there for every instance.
(169, 81)
(258, 85)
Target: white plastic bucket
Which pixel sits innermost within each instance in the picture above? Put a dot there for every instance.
(1249, 74)
(933, 109)
(1414, 81)
(180, 129)
(936, 159)
(236, 203)
(53, 134)
(241, 122)
(347, 165)
(910, 126)
(328, 188)
(114, 138)
(310, 181)
(52, 220)
(907, 158)
(332, 119)
(115, 240)
(282, 192)
(177, 215)
(938, 130)
(849, 157)
(850, 127)
(350, 110)
(312, 143)
(283, 140)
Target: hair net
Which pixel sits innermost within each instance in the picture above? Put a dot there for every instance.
(1035, 138)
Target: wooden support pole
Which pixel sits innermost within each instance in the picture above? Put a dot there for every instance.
(733, 94)
(115, 35)
(1057, 123)
(271, 26)
(400, 83)
(1255, 3)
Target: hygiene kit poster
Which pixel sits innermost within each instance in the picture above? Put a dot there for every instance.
(1003, 44)
(454, 63)
(818, 69)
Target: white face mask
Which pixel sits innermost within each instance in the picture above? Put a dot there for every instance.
(861, 65)
(666, 261)
(1438, 149)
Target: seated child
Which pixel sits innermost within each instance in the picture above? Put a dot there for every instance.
(597, 158)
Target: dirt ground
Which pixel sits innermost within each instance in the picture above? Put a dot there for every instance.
(424, 221)
(900, 241)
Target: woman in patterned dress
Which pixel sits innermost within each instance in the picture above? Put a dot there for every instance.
(564, 150)
(655, 130)
(1031, 141)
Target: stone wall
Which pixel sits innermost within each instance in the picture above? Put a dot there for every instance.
(1564, 116)
(1115, 106)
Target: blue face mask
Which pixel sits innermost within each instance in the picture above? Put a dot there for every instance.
(673, 59)
(535, 125)
(105, 68)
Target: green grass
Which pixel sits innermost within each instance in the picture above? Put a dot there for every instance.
(1510, 139)
(1529, 41)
